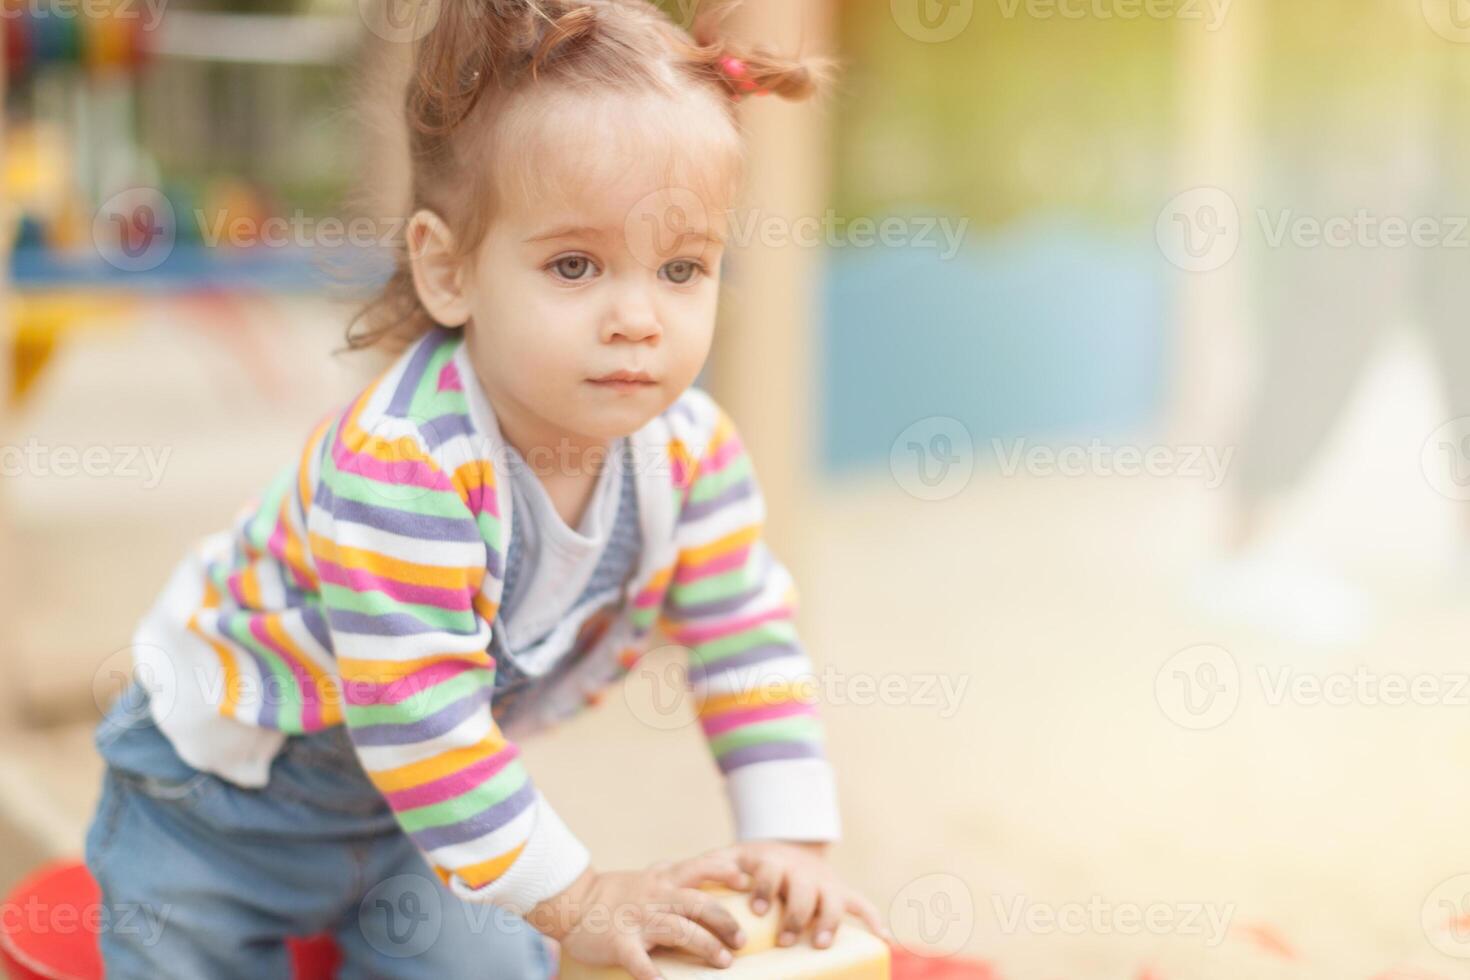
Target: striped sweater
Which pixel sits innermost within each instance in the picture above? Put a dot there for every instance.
(361, 588)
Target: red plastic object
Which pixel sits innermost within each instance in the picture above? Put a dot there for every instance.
(907, 966)
(41, 920)
(314, 958)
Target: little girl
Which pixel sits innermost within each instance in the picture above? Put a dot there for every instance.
(477, 546)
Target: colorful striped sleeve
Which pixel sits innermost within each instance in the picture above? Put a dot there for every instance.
(409, 588)
(732, 604)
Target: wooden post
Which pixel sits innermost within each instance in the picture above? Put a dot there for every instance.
(1215, 150)
(7, 367)
(764, 371)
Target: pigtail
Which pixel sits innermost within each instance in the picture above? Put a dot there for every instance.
(563, 34)
(473, 45)
(741, 69)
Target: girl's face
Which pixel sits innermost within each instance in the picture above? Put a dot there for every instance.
(603, 259)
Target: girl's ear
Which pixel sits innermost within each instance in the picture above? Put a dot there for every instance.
(438, 271)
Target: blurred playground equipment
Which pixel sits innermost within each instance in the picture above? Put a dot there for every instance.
(99, 219)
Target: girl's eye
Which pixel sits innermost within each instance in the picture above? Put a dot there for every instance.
(681, 271)
(574, 268)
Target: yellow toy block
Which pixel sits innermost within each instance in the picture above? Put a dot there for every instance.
(855, 954)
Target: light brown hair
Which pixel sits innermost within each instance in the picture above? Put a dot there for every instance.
(481, 53)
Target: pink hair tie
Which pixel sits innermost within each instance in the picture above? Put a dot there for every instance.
(738, 73)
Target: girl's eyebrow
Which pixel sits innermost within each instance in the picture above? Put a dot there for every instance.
(569, 231)
(708, 234)
(582, 231)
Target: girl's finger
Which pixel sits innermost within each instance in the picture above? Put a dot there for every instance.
(868, 912)
(634, 958)
(712, 914)
(749, 859)
(801, 902)
(729, 852)
(765, 886)
(829, 917)
(696, 871)
(680, 932)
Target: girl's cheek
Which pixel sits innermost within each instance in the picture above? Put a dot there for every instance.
(553, 305)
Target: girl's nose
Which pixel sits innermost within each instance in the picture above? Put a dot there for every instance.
(632, 318)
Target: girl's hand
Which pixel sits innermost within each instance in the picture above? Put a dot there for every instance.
(810, 890)
(616, 917)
